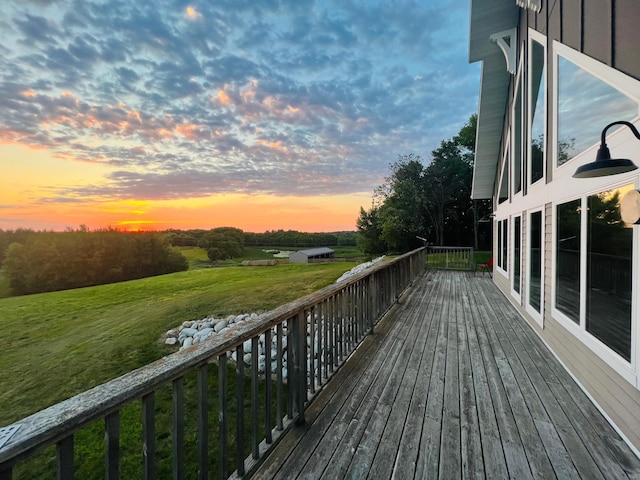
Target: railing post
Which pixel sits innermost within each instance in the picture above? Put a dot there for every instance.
(240, 409)
(222, 415)
(64, 454)
(149, 436)
(178, 429)
(203, 422)
(5, 472)
(298, 367)
(112, 446)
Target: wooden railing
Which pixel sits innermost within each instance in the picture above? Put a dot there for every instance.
(315, 334)
(450, 258)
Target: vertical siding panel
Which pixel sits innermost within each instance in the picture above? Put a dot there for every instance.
(597, 30)
(571, 32)
(548, 267)
(627, 37)
(554, 22)
(524, 270)
(540, 19)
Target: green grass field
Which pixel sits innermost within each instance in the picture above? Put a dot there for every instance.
(197, 257)
(58, 344)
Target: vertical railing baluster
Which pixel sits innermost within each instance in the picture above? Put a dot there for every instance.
(299, 365)
(240, 409)
(341, 311)
(279, 365)
(223, 415)
(290, 368)
(203, 422)
(321, 347)
(361, 307)
(255, 431)
(352, 316)
(112, 446)
(312, 348)
(149, 436)
(64, 457)
(268, 425)
(178, 429)
(331, 328)
(6, 472)
(371, 308)
(326, 342)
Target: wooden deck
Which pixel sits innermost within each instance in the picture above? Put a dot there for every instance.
(452, 384)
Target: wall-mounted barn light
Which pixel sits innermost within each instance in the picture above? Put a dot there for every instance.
(605, 165)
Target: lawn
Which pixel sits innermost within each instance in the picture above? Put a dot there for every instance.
(61, 343)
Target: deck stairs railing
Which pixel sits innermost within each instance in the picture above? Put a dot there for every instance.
(245, 401)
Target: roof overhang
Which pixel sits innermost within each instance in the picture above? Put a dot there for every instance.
(489, 17)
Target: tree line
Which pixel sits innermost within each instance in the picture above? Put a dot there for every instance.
(35, 262)
(426, 201)
(270, 238)
(228, 242)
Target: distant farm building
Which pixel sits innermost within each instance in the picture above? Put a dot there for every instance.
(311, 255)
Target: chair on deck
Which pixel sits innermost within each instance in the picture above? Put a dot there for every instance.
(487, 267)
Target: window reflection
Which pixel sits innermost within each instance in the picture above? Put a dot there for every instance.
(537, 113)
(568, 259)
(516, 254)
(585, 106)
(609, 247)
(504, 184)
(535, 252)
(517, 140)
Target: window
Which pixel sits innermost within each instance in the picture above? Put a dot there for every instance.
(536, 242)
(609, 252)
(567, 247)
(503, 194)
(517, 241)
(537, 111)
(502, 250)
(578, 92)
(593, 271)
(517, 138)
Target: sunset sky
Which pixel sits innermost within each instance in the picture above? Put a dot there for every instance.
(258, 114)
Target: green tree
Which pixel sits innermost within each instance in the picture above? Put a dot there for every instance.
(431, 202)
(369, 226)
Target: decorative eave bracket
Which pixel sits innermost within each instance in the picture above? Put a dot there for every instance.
(507, 40)
(534, 5)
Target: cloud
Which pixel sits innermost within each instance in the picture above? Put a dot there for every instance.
(185, 99)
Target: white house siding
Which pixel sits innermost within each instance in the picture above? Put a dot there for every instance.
(606, 31)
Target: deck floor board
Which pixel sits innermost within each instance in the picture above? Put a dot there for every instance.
(452, 384)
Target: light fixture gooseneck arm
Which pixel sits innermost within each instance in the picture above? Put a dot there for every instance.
(603, 137)
(605, 165)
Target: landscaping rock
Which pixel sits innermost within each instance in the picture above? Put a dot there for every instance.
(220, 325)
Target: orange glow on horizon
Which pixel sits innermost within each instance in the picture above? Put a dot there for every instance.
(255, 213)
(33, 183)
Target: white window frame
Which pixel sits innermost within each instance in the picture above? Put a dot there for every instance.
(542, 40)
(518, 91)
(516, 295)
(564, 188)
(537, 316)
(608, 75)
(506, 162)
(502, 264)
(628, 370)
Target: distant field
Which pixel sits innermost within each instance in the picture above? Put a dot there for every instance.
(197, 256)
(58, 344)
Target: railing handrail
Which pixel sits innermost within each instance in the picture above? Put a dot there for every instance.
(57, 422)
